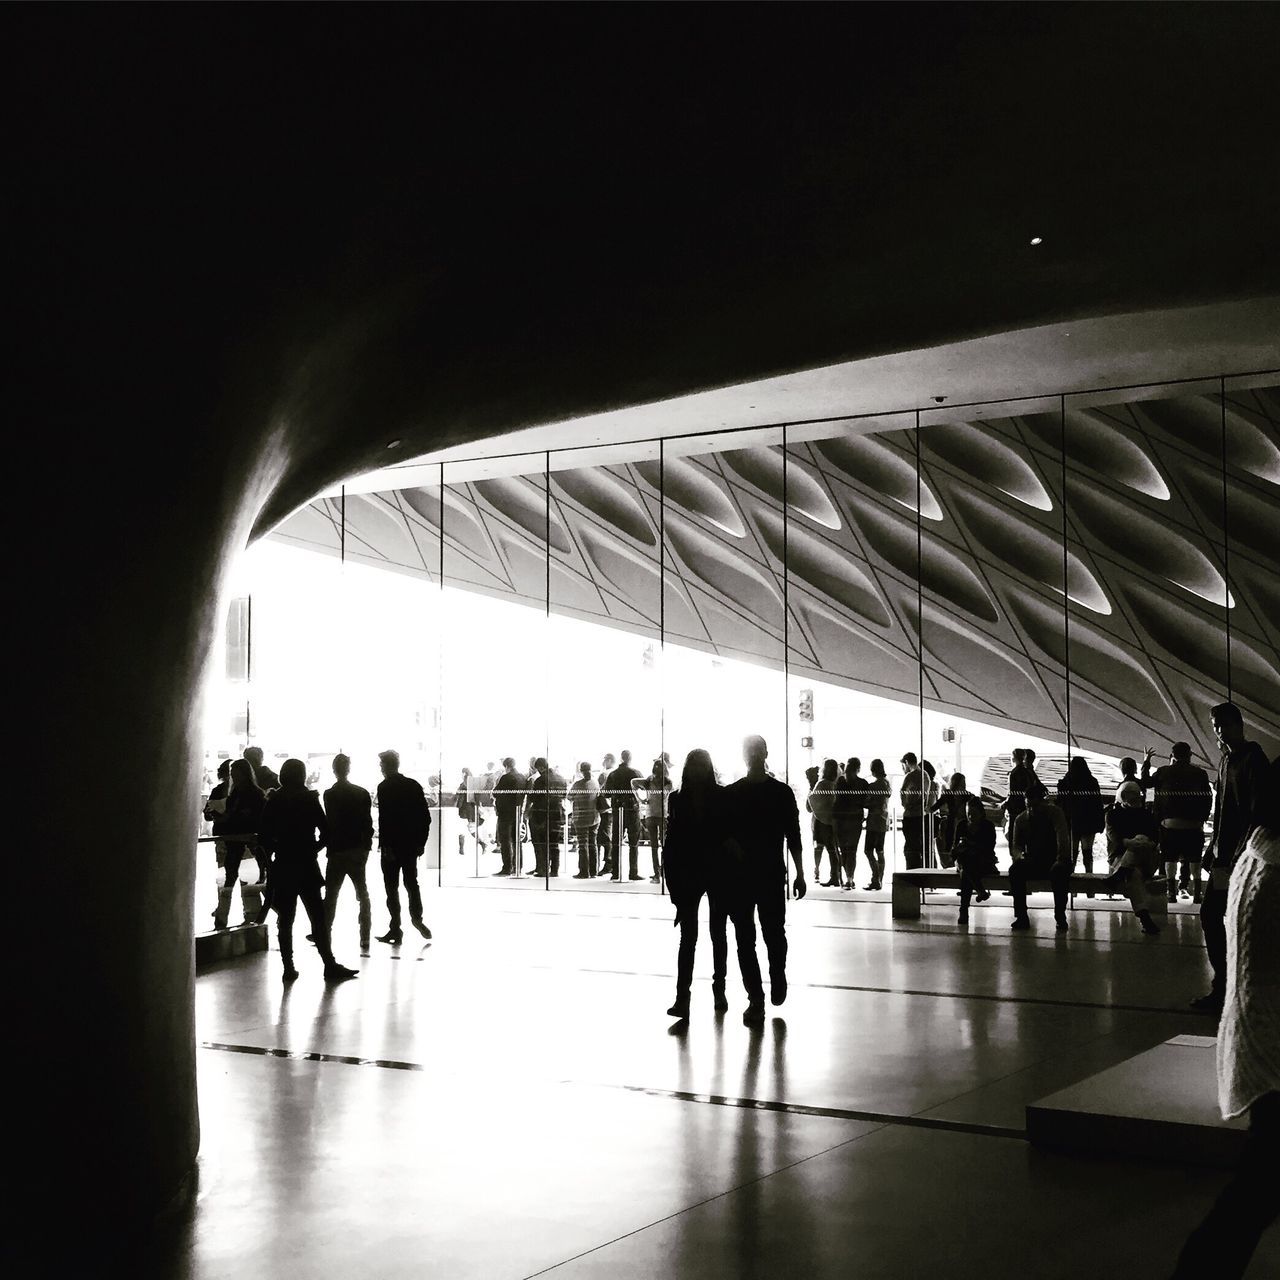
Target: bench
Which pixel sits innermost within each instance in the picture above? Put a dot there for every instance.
(909, 888)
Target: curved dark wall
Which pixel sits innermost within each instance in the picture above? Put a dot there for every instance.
(249, 247)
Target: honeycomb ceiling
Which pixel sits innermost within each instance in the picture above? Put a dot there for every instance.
(964, 551)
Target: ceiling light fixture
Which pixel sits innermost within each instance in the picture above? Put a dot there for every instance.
(394, 444)
(1037, 240)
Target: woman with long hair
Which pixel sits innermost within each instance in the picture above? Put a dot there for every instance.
(294, 829)
(878, 793)
(1080, 798)
(697, 863)
(245, 799)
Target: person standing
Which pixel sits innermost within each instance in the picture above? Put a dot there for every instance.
(215, 812)
(404, 822)
(626, 815)
(349, 812)
(239, 829)
(878, 793)
(911, 797)
(508, 801)
(696, 861)
(263, 774)
(1040, 842)
(1080, 798)
(952, 804)
(1183, 800)
(822, 805)
(974, 846)
(1241, 791)
(546, 817)
(656, 787)
(848, 815)
(1132, 836)
(1021, 776)
(583, 795)
(294, 829)
(763, 818)
(603, 808)
(1248, 1052)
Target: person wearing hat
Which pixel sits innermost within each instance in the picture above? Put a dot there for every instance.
(1132, 849)
(1183, 800)
(1040, 842)
(404, 822)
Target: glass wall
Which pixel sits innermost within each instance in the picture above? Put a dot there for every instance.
(928, 590)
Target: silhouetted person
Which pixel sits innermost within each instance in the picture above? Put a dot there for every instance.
(215, 812)
(929, 792)
(1133, 850)
(1040, 843)
(1080, 798)
(626, 815)
(1021, 776)
(294, 829)
(878, 793)
(697, 863)
(263, 774)
(508, 805)
(848, 817)
(763, 818)
(1128, 773)
(404, 822)
(584, 794)
(545, 812)
(951, 806)
(349, 810)
(239, 828)
(1242, 775)
(603, 807)
(974, 846)
(1182, 800)
(1248, 1050)
(911, 796)
(822, 805)
(657, 787)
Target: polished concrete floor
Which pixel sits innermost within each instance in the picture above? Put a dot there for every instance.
(511, 1100)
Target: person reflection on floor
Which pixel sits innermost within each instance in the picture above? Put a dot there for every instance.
(696, 863)
(763, 817)
(294, 829)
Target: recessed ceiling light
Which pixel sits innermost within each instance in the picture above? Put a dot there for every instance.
(394, 444)
(1037, 240)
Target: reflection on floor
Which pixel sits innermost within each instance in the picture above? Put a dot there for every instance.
(511, 1100)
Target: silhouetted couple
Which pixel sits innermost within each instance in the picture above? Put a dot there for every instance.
(727, 843)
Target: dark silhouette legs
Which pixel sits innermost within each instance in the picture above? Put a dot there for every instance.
(397, 864)
(348, 864)
(1058, 875)
(286, 907)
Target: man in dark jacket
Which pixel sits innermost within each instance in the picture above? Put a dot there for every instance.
(1182, 803)
(263, 774)
(763, 817)
(1040, 842)
(626, 815)
(1237, 808)
(349, 812)
(404, 822)
(508, 800)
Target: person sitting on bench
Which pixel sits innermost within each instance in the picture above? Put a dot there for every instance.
(975, 849)
(1132, 835)
(1040, 842)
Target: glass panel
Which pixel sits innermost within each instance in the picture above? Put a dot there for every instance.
(604, 664)
(723, 595)
(495, 697)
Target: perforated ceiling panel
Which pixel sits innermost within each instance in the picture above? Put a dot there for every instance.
(1134, 609)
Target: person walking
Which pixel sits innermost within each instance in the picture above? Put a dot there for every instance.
(848, 815)
(1133, 852)
(763, 819)
(626, 815)
(583, 796)
(1080, 798)
(878, 793)
(1040, 843)
(1241, 791)
(508, 803)
(404, 822)
(348, 810)
(974, 846)
(1183, 801)
(293, 830)
(695, 856)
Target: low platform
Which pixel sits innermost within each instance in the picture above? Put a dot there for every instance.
(1161, 1105)
(909, 889)
(226, 944)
